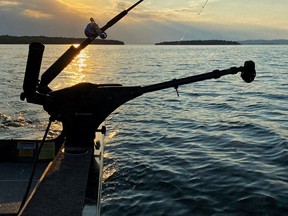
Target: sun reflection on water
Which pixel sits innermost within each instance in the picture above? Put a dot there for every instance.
(75, 72)
(110, 168)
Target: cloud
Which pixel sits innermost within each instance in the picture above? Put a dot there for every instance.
(120, 5)
(36, 14)
(45, 17)
(9, 3)
(152, 21)
(264, 12)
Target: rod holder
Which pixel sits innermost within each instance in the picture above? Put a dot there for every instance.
(33, 66)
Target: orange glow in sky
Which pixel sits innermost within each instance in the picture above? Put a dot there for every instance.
(151, 19)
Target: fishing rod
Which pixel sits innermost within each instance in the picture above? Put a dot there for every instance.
(73, 51)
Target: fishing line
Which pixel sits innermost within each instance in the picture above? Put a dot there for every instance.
(34, 167)
(202, 7)
(198, 14)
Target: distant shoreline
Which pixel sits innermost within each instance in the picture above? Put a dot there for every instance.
(6, 39)
(264, 42)
(224, 42)
(199, 42)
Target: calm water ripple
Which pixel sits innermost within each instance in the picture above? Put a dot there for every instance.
(221, 148)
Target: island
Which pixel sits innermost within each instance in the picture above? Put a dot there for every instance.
(199, 42)
(6, 39)
(225, 42)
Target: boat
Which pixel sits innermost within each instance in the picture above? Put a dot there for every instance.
(69, 180)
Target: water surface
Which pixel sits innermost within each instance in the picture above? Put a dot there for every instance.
(218, 149)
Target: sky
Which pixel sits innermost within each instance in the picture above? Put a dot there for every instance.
(150, 22)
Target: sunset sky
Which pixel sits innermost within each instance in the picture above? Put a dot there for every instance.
(151, 21)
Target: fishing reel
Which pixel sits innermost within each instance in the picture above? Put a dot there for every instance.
(92, 30)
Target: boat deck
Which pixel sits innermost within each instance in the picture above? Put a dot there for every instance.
(65, 185)
(13, 183)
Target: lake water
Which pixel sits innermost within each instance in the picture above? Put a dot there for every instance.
(221, 148)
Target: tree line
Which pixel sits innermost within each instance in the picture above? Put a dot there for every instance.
(199, 42)
(6, 39)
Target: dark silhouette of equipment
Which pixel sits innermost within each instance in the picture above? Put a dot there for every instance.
(83, 107)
